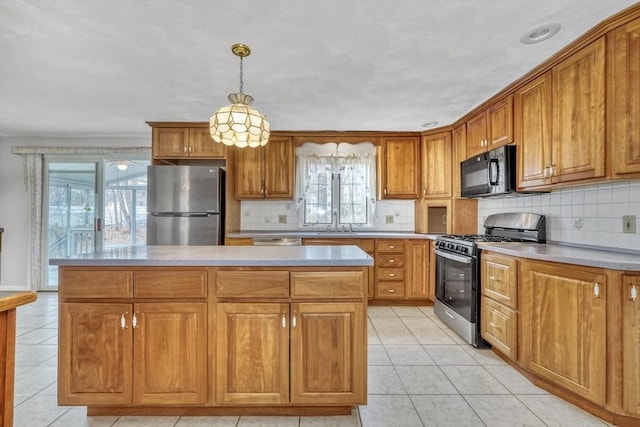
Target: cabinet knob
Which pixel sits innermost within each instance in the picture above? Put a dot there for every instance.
(184, 149)
(633, 293)
(596, 290)
(123, 320)
(385, 191)
(284, 320)
(493, 325)
(294, 320)
(134, 320)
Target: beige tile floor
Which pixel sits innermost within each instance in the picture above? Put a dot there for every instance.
(420, 374)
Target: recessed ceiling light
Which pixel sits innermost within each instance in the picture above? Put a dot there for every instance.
(429, 124)
(540, 33)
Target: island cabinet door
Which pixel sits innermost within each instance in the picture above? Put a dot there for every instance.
(170, 353)
(95, 354)
(563, 312)
(252, 354)
(328, 353)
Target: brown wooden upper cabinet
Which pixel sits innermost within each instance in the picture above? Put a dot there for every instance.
(532, 111)
(459, 145)
(400, 167)
(436, 165)
(559, 122)
(491, 128)
(265, 172)
(182, 142)
(578, 115)
(624, 99)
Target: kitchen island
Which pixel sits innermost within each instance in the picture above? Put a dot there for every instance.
(214, 330)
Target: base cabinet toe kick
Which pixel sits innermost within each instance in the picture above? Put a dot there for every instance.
(213, 340)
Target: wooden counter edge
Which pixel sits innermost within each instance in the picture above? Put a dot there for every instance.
(16, 299)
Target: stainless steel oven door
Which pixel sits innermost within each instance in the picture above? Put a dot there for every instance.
(456, 279)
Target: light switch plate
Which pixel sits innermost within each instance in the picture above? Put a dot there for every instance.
(282, 219)
(629, 224)
(388, 219)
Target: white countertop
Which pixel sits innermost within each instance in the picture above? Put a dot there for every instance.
(567, 254)
(331, 234)
(221, 256)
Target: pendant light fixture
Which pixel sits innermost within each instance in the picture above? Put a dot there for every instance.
(238, 124)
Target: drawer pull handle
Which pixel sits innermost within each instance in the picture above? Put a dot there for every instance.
(493, 325)
(392, 247)
(392, 274)
(284, 320)
(134, 320)
(391, 261)
(633, 293)
(391, 291)
(492, 278)
(123, 320)
(596, 290)
(294, 320)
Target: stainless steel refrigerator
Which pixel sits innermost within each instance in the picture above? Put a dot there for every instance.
(185, 205)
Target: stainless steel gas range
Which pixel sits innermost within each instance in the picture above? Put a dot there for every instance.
(458, 286)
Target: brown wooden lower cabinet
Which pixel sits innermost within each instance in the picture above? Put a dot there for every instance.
(252, 353)
(631, 344)
(144, 354)
(289, 338)
(573, 330)
(564, 326)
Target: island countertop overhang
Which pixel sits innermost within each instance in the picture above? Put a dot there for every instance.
(223, 256)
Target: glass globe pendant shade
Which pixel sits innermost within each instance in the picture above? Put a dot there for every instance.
(238, 124)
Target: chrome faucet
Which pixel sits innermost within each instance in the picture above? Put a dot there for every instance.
(335, 219)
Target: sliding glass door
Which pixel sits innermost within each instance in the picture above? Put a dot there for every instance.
(70, 205)
(91, 204)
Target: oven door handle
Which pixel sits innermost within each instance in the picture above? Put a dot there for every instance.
(459, 258)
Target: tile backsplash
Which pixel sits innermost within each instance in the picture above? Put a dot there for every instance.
(266, 215)
(585, 215)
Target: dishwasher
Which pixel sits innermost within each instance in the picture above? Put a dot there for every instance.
(277, 241)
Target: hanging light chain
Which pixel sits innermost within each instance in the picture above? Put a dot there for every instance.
(241, 68)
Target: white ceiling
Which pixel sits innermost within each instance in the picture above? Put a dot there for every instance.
(104, 67)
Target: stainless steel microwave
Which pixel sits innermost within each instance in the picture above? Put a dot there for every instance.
(489, 174)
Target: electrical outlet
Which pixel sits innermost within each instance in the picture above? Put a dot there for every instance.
(388, 219)
(629, 224)
(282, 219)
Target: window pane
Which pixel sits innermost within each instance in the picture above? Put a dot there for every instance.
(353, 203)
(318, 206)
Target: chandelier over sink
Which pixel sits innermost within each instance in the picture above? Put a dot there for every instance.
(238, 124)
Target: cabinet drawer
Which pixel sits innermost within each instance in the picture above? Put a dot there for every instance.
(328, 284)
(499, 327)
(170, 284)
(390, 260)
(500, 279)
(390, 273)
(390, 289)
(96, 284)
(251, 284)
(390, 245)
